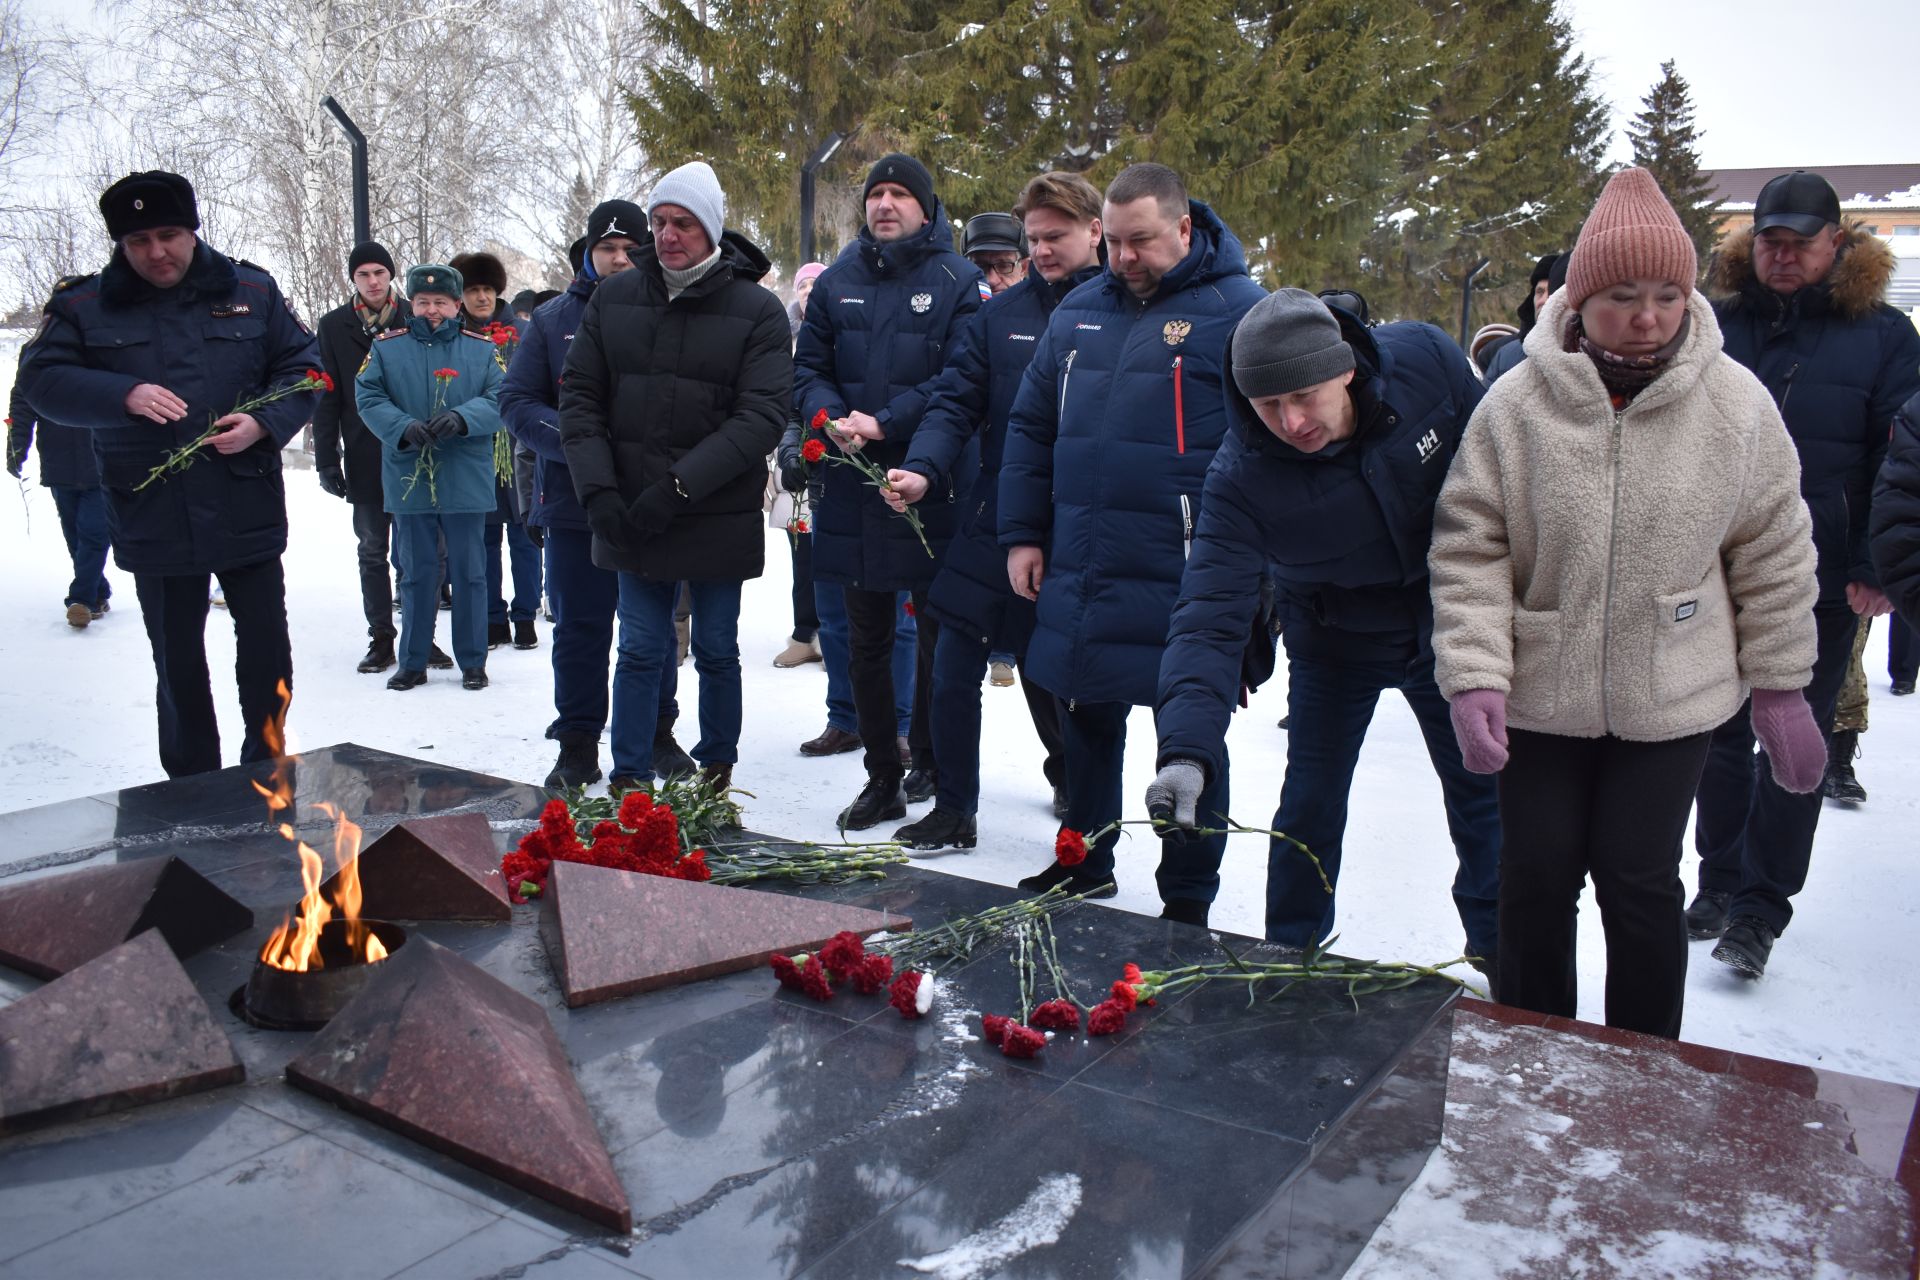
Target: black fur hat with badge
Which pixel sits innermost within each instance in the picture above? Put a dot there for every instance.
(149, 199)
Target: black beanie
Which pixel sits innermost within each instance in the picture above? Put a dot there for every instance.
(143, 201)
(614, 218)
(907, 172)
(370, 252)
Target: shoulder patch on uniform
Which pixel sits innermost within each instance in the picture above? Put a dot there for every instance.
(389, 334)
(986, 294)
(67, 282)
(365, 360)
(470, 333)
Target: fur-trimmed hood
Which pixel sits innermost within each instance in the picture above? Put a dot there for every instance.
(1856, 284)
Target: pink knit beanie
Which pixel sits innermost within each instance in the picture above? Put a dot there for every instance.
(1632, 234)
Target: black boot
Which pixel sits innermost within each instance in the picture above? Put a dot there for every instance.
(524, 636)
(474, 678)
(1186, 911)
(920, 785)
(1707, 915)
(669, 761)
(940, 830)
(403, 679)
(438, 660)
(579, 762)
(1065, 877)
(878, 801)
(379, 656)
(497, 634)
(1840, 784)
(1745, 946)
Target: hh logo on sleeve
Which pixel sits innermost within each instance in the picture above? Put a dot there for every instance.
(1429, 446)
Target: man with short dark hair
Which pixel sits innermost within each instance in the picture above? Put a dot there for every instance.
(165, 344)
(1108, 443)
(1801, 303)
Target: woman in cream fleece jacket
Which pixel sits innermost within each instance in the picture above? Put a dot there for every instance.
(1620, 554)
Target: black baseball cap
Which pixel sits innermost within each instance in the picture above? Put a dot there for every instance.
(1002, 231)
(1801, 202)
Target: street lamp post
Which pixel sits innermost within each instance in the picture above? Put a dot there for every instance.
(821, 154)
(362, 217)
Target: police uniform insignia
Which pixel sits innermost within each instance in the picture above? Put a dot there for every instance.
(365, 360)
(986, 293)
(921, 302)
(1176, 331)
(287, 302)
(227, 310)
(139, 204)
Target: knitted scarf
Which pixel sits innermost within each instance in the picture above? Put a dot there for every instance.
(371, 321)
(1625, 377)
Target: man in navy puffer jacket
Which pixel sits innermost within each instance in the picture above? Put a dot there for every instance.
(1107, 448)
(1340, 441)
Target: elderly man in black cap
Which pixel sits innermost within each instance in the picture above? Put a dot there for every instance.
(997, 244)
(346, 335)
(169, 342)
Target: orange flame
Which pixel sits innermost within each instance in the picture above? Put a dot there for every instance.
(295, 945)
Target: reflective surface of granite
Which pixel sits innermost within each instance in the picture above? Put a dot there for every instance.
(56, 923)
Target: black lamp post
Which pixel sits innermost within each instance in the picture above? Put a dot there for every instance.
(362, 218)
(821, 154)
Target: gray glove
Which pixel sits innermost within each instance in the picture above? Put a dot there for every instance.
(1175, 791)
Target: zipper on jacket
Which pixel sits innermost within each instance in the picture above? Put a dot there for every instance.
(1186, 526)
(1180, 431)
(1786, 387)
(1066, 374)
(1613, 542)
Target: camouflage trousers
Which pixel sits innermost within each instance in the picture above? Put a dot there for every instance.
(1850, 710)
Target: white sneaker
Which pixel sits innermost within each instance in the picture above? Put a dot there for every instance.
(1000, 675)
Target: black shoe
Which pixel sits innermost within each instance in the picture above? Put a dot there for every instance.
(1840, 784)
(1060, 803)
(446, 596)
(1284, 719)
(1745, 946)
(1707, 915)
(497, 634)
(523, 635)
(473, 678)
(1186, 911)
(404, 679)
(940, 830)
(1901, 688)
(1065, 877)
(1486, 966)
(437, 660)
(379, 657)
(877, 802)
(578, 765)
(101, 608)
(669, 761)
(920, 785)
(621, 783)
(831, 742)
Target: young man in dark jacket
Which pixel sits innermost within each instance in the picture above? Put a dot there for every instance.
(675, 390)
(584, 596)
(1800, 302)
(68, 470)
(1340, 440)
(164, 344)
(346, 334)
(878, 327)
(971, 599)
(1108, 443)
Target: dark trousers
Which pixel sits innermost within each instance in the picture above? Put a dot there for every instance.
(959, 663)
(174, 607)
(831, 603)
(1570, 807)
(1329, 706)
(1756, 839)
(871, 618)
(373, 527)
(86, 521)
(806, 614)
(1096, 745)
(585, 599)
(525, 559)
(1903, 649)
(420, 545)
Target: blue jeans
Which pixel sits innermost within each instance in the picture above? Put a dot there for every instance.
(1330, 706)
(526, 574)
(86, 520)
(835, 654)
(419, 538)
(1096, 742)
(585, 598)
(648, 647)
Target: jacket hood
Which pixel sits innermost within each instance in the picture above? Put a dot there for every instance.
(1571, 378)
(1856, 284)
(1213, 252)
(935, 237)
(210, 275)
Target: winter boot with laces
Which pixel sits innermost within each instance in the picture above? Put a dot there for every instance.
(578, 764)
(1840, 784)
(939, 831)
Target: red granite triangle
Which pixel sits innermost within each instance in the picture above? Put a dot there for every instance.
(443, 868)
(122, 1030)
(57, 923)
(452, 1057)
(613, 933)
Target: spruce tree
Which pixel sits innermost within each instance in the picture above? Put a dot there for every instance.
(1666, 144)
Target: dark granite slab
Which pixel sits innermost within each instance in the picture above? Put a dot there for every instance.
(444, 868)
(613, 933)
(58, 922)
(120, 1031)
(447, 1055)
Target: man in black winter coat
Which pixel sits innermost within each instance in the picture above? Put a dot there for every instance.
(1896, 536)
(69, 472)
(346, 334)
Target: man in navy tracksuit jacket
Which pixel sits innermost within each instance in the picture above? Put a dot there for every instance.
(1341, 439)
(1107, 447)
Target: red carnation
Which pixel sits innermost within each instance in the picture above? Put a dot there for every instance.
(994, 1028)
(1023, 1042)
(502, 337)
(814, 449)
(1056, 1015)
(1130, 972)
(904, 995)
(786, 970)
(446, 373)
(842, 954)
(911, 611)
(1125, 996)
(820, 420)
(875, 972)
(1070, 847)
(1106, 1018)
(800, 526)
(813, 980)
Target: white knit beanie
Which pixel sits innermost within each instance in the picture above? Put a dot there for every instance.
(695, 188)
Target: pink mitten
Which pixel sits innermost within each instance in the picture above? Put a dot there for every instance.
(1480, 723)
(1784, 723)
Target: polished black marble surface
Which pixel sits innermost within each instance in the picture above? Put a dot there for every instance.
(759, 1133)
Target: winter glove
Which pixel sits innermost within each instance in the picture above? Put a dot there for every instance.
(447, 424)
(607, 516)
(787, 460)
(1480, 723)
(656, 507)
(417, 434)
(1784, 723)
(1174, 792)
(17, 465)
(333, 482)
(537, 535)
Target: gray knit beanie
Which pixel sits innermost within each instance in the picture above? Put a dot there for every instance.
(1289, 340)
(695, 188)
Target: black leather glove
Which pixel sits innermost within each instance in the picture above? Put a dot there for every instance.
(447, 424)
(787, 460)
(656, 507)
(17, 465)
(417, 434)
(607, 517)
(333, 482)
(537, 535)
